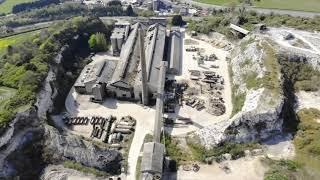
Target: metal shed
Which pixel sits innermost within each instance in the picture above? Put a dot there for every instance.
(152, 159)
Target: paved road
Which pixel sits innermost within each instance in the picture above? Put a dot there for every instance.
(259, 10)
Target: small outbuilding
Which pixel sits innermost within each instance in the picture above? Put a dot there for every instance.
(152, 160)
(239, 30)
(175, 52)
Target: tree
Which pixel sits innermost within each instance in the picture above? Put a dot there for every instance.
(33, 5)
(129, 11)
(98, 42)
(177, 20)
(9, 50)
(146, 13)
(114, 3)
(242, 15)
(5, 117)
(92, 41)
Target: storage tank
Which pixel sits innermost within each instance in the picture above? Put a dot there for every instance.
(114, 44)
(119, 41)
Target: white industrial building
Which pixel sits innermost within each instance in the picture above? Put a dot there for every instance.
(122, 78)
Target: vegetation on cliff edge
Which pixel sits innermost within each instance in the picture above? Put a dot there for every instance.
(25, 65)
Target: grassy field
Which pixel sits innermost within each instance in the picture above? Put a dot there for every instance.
(307, 5)
(5, 42)
(5, 94)
(219, 2)
(307, 142)
(7, 5)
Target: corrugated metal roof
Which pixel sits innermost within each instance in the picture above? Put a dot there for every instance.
(154, 52)
(239, 29)
(152, 160)
(126, 51)
(107, 72)
(175, 50)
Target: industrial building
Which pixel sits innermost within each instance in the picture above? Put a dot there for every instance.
(154, 152)
(175, 51)
(119, 36)
(128, 77)
(152, 163)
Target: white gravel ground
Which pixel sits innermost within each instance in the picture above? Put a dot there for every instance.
(308, 100)
(202, 118)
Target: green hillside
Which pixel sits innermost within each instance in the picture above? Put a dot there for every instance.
(307, 5)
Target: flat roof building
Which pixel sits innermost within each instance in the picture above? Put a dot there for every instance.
(119, 36)
(155, 44)
(239, 29)
(152, 160)
(175, 51)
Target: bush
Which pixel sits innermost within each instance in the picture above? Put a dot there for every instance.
(307, 138)
(145, 13)
(84, 169)
(281, 169)
(177, 20)
(98, 42)
(302, 75)
(200, 153)
(114, 3)
(237, 101)
(32, 5)
(174, 151)
(129, 11)
(5, 117)
(275, 175)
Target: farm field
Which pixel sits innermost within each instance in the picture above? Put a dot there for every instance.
(5, 42)
(307, 5)
(7, 5)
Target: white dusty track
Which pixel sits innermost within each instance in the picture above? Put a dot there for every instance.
(308, 38)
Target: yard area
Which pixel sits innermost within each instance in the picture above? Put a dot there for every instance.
(7, 5)
(307, 5)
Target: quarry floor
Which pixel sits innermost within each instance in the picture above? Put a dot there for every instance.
(201, 118)
(302, 41)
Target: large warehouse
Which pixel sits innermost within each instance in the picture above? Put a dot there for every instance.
(130, 78)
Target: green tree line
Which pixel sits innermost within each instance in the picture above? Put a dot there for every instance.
(64, 11)
(24, 66)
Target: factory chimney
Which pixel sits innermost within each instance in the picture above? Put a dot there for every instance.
(145, 95)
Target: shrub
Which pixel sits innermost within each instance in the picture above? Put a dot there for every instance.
(200, 153)
(5, 117)
(98, 42)
(275, 175)
(281, 169)
(84, 169)
(302, 75)
(177, 20)
(174, 151)
(307, 138)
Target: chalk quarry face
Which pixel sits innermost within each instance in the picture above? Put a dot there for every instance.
(260, 115)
